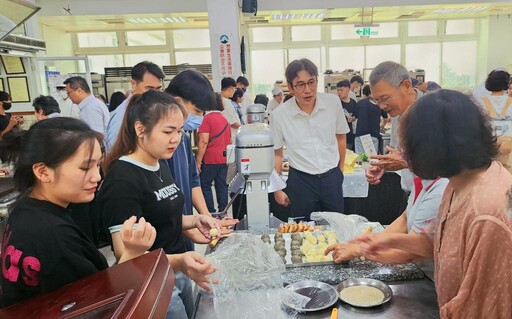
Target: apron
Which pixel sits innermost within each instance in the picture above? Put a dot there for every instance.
(501, 122)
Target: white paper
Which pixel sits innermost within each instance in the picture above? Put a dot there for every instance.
(368, 146)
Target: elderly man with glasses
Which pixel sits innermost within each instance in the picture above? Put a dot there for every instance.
(313, 127)
(393, 92)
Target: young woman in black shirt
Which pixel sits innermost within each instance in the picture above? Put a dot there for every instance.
(42, 248)
(138, 183)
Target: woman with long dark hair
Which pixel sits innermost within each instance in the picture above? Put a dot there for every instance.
(139, 182)
(42, 248)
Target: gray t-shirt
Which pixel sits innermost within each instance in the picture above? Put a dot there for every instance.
(422, 212)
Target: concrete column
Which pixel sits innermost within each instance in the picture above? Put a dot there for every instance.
(224, 25)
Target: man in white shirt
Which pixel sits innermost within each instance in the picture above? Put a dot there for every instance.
(92, 111)
(67, 108)
(243, 83)
(314, 128)
(228, 87)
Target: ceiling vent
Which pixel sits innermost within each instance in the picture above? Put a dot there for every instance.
(17, 42)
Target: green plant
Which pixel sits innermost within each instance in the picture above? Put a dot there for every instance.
(363, 157)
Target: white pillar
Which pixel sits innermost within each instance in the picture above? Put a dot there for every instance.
(224, 24)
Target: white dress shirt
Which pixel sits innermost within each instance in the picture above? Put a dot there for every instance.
(310, 139)
(94, 113)
(230, 113)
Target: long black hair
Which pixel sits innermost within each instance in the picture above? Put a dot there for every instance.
(50, 142)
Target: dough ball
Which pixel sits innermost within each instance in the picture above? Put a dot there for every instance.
(297, 259)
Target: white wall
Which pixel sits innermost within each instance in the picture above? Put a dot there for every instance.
(58, 42)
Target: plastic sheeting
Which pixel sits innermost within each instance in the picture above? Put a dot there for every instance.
(346, 227)
(250, 283)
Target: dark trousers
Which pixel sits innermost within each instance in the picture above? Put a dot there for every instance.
(217, 173)
(314, 193)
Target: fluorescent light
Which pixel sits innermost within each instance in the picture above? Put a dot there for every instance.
(459, 10)
(156, 20)
(303, 16)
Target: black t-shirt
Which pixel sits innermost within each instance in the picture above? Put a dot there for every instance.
(129, 189)
(368, 118)
(351, 108)
(43, 250)
(4, 121)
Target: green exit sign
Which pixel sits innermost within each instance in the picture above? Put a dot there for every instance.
(367, 32)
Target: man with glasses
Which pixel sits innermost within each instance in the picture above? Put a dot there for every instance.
(145, 76)
(393, 92)
(92, 111)
(313, 127)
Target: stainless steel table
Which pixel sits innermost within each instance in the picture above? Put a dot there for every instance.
(411, 299)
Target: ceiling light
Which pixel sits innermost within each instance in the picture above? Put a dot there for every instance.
(303, 16)
(156, 20)
(459, 10)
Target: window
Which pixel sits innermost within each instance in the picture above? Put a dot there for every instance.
(343, 32)
(344, 58)
(98, 63)
(145, 38)
(97, 39)
(422, 28)
(459, 70)
(267, 67)
(387, 30)
(193, 57)
(306, 33)
(270, 34)
(460, 27)
(159, 59)
(415, 58)
(191, 38)
(376, 54)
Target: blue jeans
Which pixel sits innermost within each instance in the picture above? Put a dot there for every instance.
(217, 173)
(182, 303)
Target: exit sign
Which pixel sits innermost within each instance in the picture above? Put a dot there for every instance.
(367, 32)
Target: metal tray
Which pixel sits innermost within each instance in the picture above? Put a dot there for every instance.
(386, 290)
(322, 295)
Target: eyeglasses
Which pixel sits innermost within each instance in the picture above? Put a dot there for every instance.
(72, 90)
(302, 85)
(385, 100)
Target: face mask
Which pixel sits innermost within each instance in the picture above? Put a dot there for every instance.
(63, 94)
(7, 105)
(193, 122)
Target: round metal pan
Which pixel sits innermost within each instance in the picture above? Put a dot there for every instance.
(386, 290)
(322, 295)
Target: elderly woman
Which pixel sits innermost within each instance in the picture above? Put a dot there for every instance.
(446, 134)
(499, 104)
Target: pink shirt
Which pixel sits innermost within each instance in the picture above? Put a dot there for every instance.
(214, 123)
(473, 249)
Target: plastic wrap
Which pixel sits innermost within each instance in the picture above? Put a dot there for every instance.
(346, 227)
(250, 283)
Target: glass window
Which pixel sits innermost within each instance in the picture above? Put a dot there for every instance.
(459, 70)
(191, 38)
(421, 28)
(460, 26)
(314, 55)
(306, 33)
(97, 39)
(143, 38)
(343, 32)
(376, 54)
(98, 63)
(269, 34)
(344, 58)
(386, 30)
(267, 67)
(415, 58)
(193, 57)
(159, 59)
